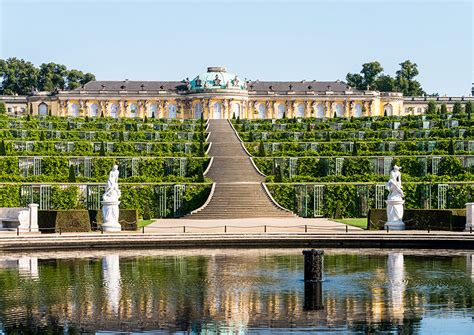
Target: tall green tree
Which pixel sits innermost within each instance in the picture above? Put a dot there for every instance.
(468, 108)
(3, 108)
(405, 79)
(367, 77)
(444, 109)
(51, 76)
(457, 108)
(17, 76)
(431, 108)
(385, 83)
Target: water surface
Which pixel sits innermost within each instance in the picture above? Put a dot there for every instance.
(237, 291)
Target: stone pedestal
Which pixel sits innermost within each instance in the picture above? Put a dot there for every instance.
(110, 216)
(469, 216)
(395, 215)
(33, 217)
(313, 265)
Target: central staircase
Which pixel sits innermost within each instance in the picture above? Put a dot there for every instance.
(238, 191)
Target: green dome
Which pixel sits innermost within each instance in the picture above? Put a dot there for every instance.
(217, 78)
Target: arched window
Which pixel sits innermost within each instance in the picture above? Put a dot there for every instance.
(172, 111)
(300, 110)
(339, 110)
(388, 110)
(217, 110)
(114, 111)
(236, 110)
(197, 110)
(319, 111)
(94, 110)
(152, 110)
(280, 111)
(262, 111)
(357, 110)
(75, 110)
(133, 110)
(43, 109)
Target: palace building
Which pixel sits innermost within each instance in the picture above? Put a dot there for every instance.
(219, 95)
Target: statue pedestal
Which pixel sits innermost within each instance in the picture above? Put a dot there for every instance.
(469, 216)
(395, 214)
(110, 216)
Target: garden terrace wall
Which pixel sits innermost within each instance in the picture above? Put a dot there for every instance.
(338, 200)
(96, 169)
(421, 219)
(151, 200)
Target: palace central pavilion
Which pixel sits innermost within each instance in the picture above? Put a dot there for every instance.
(218, 95)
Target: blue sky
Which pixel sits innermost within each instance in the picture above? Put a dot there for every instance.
(266, 40)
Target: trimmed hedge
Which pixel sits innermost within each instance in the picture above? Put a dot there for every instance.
(64, 221)
(421, 219)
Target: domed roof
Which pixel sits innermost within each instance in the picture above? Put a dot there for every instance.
(217, 78)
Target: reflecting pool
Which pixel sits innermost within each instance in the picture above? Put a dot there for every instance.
(234, 291)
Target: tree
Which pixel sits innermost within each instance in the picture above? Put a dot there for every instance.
(51, 76)
(42, 136)
(3, 108)
(278, 174)
(457, 108)
(405, 79)
(121, 137)
(450, 166)
(468, 107)
(354, 149)
(200, 176)
(102, 149)
(367, 78)
(201, 152)
(451, 149)
(145, 119)
(74, 78)
(261, 149)
(444, 109)
(3, 151)
(385, 83)
(18, 76)
(72, 174)
(431, 107)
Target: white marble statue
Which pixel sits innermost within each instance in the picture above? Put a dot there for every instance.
(395, 201)
(110, 202)
(112, 191)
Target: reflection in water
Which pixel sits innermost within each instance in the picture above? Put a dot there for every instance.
(28, 266)
(236, 291)
(313, 296)
(470, 265)
(111, 273)
(396, 276)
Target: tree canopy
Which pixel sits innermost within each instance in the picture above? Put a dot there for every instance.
(371, 77)
(18, 76)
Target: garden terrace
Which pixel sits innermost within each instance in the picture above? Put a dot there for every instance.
(96, 169)
(89, 148)
(99, 135)
(152, 200)
(339, 168)
(363, 148)
(366, 169)
(355, 199)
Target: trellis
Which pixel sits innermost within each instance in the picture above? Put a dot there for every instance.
(443, 196)
(380, 196)
(318, 200)
(30, 166)
(178, 200)
(339, 165)
(362, 199)
(435, 165)
(93, 196)
(301, 198)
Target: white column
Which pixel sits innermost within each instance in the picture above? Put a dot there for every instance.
(469, 216)
(33, 217)
(111, 277)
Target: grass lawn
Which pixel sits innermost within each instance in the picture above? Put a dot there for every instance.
(356, 222)
(143, 223)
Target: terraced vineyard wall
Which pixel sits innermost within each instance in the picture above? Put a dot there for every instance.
(63, 163)
(339, 167)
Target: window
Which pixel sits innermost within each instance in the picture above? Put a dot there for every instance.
(262, 111)
(75, 110)
(217, 110)
(94, 110)
(152, 110)
(43, 109)
(357, 110)
(114, 111)
(300, 110)
(197, 110)
(319, 111)
(280, 111)
(172, 111)
(133, 110)
(236, 110)
(388, 110)
(339, 110)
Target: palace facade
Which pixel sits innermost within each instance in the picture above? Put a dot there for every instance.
(219, 95)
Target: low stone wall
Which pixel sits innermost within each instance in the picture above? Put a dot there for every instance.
(421, 219)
